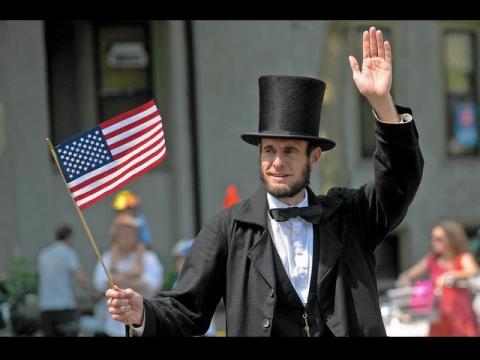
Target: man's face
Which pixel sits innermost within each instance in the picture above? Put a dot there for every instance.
(285, 167)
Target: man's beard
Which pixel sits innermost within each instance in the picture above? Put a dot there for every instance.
(291, 190)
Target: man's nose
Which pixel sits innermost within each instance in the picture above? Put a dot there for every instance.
(278, 161)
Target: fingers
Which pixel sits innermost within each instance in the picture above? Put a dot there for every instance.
(374, 46)
(117, 293)
(119, 310)
(366, 45)
(118, 302)
(380, 46)
(125, 317)
(388, 53)
(354, 65)
(373, 42)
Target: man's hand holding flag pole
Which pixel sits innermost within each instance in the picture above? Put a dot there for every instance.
(102, 159)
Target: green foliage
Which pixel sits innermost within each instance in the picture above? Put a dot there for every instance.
(170, 279)
(22, 279)
(20, 290)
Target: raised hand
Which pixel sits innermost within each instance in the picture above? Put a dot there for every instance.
(374, 80)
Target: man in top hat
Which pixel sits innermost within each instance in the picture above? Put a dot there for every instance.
(285, 261)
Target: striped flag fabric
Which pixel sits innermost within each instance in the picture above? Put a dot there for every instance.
(102, 159)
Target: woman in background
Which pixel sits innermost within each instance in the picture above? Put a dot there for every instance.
(448, 262)
(130, 264)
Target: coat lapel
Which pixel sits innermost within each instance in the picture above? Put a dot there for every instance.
(330, 247)
(254, 212)
(261, 254)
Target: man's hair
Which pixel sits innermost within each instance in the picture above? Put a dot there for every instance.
(63, 232)
(311, 146)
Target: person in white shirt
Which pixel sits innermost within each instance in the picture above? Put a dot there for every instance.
(56, 265)
(129, 264)
(287, 262)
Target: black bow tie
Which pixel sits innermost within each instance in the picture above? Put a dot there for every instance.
(312, 213)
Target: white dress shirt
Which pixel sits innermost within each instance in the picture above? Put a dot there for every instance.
(293, 240)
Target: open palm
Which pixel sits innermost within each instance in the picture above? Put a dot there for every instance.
(374, 80)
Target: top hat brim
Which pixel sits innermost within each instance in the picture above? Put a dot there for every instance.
(254, 139)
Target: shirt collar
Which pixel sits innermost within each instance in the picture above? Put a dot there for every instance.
(275, 203)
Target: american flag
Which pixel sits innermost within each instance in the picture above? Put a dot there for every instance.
(100, 160)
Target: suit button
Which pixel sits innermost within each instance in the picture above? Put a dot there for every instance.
(266, 323)
(272, 293)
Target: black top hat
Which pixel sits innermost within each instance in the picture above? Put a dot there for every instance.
(290, 108)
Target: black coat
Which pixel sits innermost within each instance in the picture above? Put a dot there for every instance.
(231, 259)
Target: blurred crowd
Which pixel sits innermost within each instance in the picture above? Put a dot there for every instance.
(54, 310)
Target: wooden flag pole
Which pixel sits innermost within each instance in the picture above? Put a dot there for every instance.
(85, 226)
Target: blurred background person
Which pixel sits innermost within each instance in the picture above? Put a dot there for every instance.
(449, 261)
(56, 264)
(180, 252)
(127, 202)
(130, 265)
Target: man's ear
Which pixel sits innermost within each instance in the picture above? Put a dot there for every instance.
(315, 157)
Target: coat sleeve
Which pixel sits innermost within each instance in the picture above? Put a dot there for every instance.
(379, 206)
(188, 309)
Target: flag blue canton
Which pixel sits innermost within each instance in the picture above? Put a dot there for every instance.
(83, 153)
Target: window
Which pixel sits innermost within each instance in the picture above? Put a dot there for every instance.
(459, 47)
(367, 135)
(68, 86)
(123, 67)
(95, 71)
